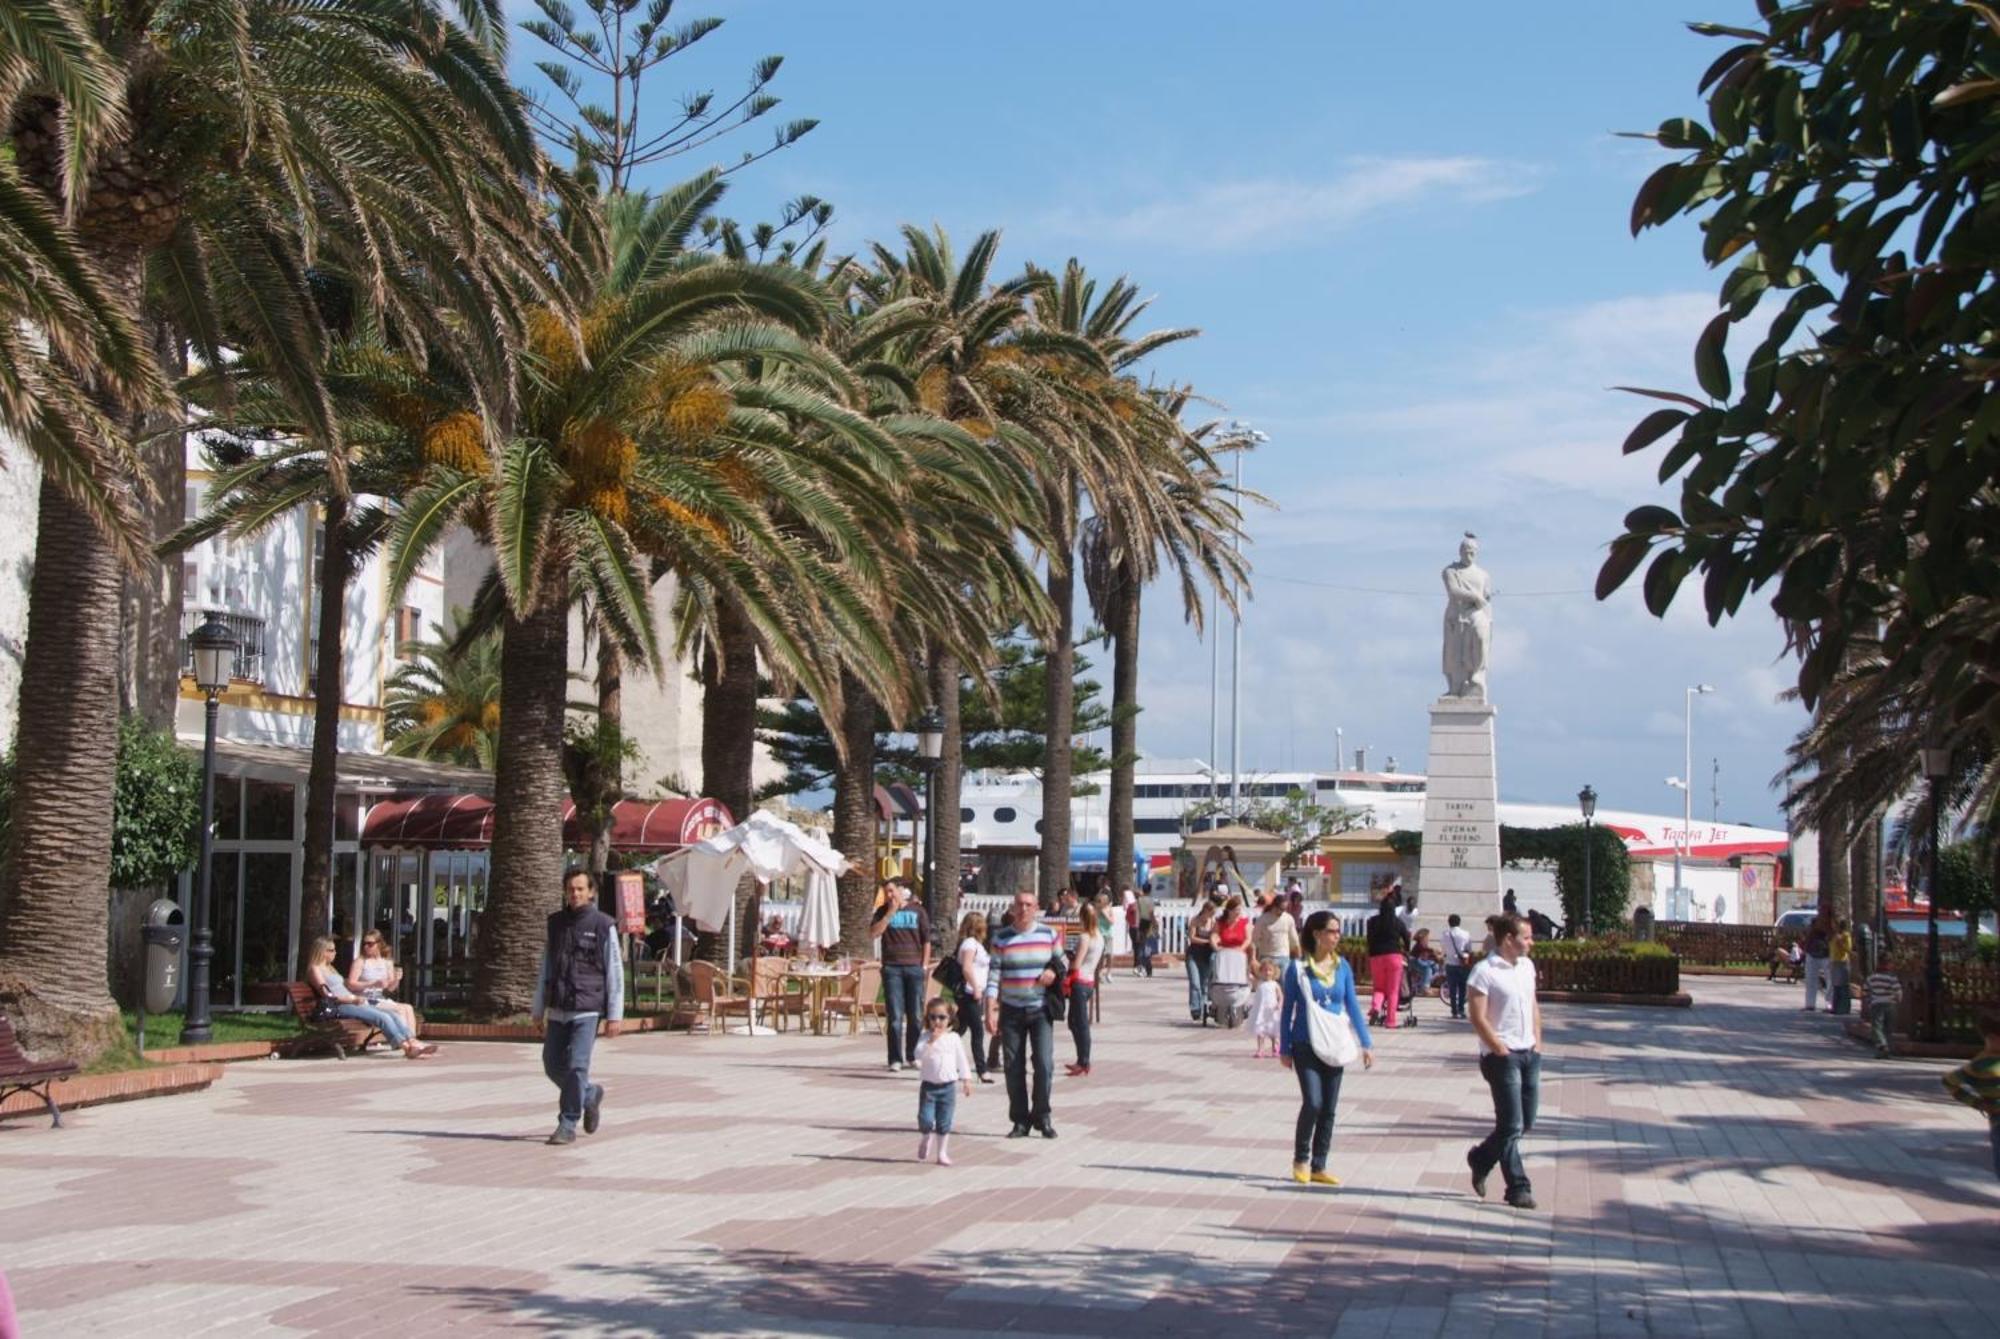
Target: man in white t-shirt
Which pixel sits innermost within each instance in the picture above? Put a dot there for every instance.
(1457, 946)
(1508, 1019)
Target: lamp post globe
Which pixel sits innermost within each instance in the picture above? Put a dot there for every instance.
(214, 649)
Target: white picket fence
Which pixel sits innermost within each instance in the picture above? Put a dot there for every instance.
(1170, 918)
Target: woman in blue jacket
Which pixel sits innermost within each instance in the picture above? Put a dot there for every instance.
(1322, 971)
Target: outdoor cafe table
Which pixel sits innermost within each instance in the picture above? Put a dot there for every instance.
(819, 979)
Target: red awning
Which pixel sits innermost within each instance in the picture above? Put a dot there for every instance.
(465, 822)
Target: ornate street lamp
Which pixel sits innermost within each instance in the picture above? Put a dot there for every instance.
(1937, 766)
(930, 748)
(214, 647)
(1587, 800)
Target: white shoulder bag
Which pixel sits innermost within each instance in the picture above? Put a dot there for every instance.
(1332, 1034)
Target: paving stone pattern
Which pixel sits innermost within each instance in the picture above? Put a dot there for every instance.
(1734, 1169)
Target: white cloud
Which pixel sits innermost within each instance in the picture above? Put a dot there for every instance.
(1513, 432)
(1226, 215)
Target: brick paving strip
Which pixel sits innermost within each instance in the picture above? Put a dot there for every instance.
(1734, 1168)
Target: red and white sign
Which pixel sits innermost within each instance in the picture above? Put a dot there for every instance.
(631, 886)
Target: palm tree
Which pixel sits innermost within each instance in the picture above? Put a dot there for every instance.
(258, 142)
(1116, 568)
(1126, 459)
(628, 456)
(443, 701)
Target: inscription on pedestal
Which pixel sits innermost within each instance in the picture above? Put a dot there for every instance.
(1460, 871)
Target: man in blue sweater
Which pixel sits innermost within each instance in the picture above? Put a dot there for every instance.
(580, 982)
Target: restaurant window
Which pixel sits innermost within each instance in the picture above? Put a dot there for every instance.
(267, 811)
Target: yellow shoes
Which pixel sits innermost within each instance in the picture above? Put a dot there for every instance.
(1307, 1177)
(1300, 1174)
(1325, 1179)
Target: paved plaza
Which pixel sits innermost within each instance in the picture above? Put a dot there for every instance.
(1737, 1168)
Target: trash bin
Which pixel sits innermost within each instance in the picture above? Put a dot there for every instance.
(164, 932)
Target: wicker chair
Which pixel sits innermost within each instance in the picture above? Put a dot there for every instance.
(714, 997)
(862, 998)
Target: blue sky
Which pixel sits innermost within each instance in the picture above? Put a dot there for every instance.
(1402, 230)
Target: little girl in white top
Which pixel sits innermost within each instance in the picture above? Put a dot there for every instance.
(1265, 1007)
(944, 1067)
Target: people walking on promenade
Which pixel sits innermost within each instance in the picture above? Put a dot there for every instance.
(581, 981)
(1083, 985)
(1508, 1019)
(1229, 968)
(973, 963)
(1885, 991)
(1839, 951)
(1143, 936)
(1267, 1004)
(344, 1003)
(1977, 1082)
(1028, 958)
(1200, 960)
(904, 928)
(1819, 937)
(1320, 1005)
(944, 1069)
(1457, 963)
(1388, 941)
(1276, 935)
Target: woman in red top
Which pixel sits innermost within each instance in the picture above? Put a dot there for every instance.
(1233, 964)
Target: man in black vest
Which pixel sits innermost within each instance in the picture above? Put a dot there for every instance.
(581, 980)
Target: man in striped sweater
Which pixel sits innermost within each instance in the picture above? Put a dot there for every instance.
(1027, 960)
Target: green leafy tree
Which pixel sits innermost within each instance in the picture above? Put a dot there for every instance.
(155, 807)
(1844, 174)
(1965, 879)
(256, 143)
(1299, 818)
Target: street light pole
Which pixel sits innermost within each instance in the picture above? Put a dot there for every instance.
(1937, 766)
(214, 659)
(930, 747)
(1686, 843)
(1587, 800)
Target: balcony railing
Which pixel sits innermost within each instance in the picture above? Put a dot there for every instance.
(249, 634)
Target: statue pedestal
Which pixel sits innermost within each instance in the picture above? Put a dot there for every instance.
(1460, 869)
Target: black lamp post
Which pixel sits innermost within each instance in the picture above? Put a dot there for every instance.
(930, 747)
(214, 649)
(1587, 800)
(1937, 766)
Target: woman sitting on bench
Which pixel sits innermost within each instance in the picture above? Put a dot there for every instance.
(346, 1004)
(375, 974)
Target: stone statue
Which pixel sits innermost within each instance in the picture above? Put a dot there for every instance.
(1468, 622)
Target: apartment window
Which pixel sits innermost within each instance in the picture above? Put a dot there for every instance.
(409, 627)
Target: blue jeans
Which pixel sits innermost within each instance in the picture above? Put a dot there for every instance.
(1079, 1020)
(1022, 1027)
(903, 992)
(1421, 972)
(937, 1103)
(1319, 1098)
(1142, 949)
(1455, 977)
(566, 1048)
(1197, 975)
(1516, 1082)
(385, 1021)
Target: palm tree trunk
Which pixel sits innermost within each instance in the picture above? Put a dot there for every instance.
(1835, 891)
(1865, 877)
(52, 932)
(322, 776)
(729, 734)
(854, 812)
(527, 801)
(608, 769)
(1058, 717)
(946, 784)
(1124, 727)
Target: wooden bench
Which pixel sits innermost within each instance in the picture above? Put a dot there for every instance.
(19, 1074)
(340, 1035)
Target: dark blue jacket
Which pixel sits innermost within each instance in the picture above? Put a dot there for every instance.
(1295, 1029)
(580, 966)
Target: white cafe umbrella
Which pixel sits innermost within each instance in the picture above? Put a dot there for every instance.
(819, 921)
(704, 876)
